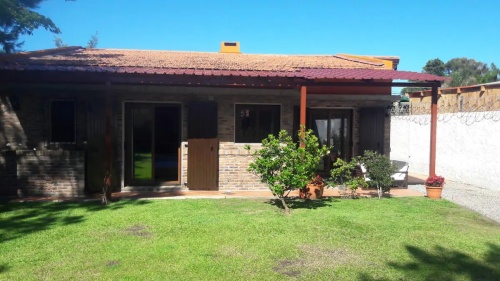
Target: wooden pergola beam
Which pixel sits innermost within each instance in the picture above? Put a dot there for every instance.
(303, 105)
(434, 111)
(108, 147)
(370, 83)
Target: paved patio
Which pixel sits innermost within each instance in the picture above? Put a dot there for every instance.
(194, 194)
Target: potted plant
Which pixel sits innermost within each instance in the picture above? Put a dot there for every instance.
(344, 175)
(434, 186)
(314, 189)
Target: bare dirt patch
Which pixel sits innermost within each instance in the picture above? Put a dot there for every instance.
(139, 231)
(253, 212)
(112, 263)
(315, 258)
(234, 252)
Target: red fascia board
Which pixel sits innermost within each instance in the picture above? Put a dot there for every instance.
(338, 73)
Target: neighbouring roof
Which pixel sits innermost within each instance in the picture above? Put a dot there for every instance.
(207, 64)
(458, 90)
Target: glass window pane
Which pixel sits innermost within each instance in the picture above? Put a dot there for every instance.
(62, 121)
(255, 122)
(142, 143)
(167, 143)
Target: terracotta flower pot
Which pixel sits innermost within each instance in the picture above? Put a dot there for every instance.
(434, 192)
(312, 191)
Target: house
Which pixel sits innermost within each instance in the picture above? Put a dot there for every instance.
(160, 120)
(473, 98)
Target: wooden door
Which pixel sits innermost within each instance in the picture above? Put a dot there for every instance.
(94, 156)
(203, 164)
(371, 129)
(203, 146)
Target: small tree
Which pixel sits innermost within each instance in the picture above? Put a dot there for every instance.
(59, 42)
(344, 173)
(284, 165)
(93, 41)
(379, 168)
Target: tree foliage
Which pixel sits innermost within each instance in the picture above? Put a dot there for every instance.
(344, 173)
(284, 165)
(93, 41)
(462, 71)
(18, 17)
(91, 44)
(379, 168)
(435, 66)
(465, 71)
(59, 42)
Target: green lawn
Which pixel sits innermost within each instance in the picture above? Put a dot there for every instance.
(143, 166)
(366, 239)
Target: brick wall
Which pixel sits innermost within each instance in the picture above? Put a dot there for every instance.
(28, 161)
(44, 172)
(29, 126)
(234, 160)
(8, 173)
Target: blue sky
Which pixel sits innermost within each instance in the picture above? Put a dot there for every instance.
(414, 30)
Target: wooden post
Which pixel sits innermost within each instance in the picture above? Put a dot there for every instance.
(303, 105)
(108, 148)
(434, 112)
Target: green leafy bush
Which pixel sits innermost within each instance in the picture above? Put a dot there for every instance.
(344, 173)
(284, 165)
(379, 168)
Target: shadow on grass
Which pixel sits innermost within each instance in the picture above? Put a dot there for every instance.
(445, 264)
(3, 268)
(296, 203)
(30, 217)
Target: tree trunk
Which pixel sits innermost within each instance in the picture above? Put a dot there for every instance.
(379, 189)
(106, 189)
(287, 210)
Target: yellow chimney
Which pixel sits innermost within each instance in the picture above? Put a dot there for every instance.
(230, 47)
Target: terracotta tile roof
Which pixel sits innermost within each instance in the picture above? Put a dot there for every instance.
(207, 64)
(188, 60)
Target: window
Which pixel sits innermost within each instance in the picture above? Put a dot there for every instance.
(254, 122)
(62, 121)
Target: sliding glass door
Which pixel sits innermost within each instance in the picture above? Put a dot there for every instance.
(152, 137)
(333, 128)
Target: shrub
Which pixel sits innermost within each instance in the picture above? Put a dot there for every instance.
(379, 168)
(344, 173)
(284, 165)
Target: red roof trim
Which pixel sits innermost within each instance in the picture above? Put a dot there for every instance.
(371, 74)
(337, 73)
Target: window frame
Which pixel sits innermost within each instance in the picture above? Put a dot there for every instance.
(280, 111)
(51, 125)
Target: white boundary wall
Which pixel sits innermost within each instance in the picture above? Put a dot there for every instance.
(468, 146)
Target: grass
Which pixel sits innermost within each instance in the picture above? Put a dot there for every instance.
(367, 239)
(143, 166)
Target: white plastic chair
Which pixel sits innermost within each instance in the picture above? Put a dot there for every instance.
(401, 176)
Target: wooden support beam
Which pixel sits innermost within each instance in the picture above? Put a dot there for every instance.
(369, 83)
(434, 112)
(303, 105)
(108, 147)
